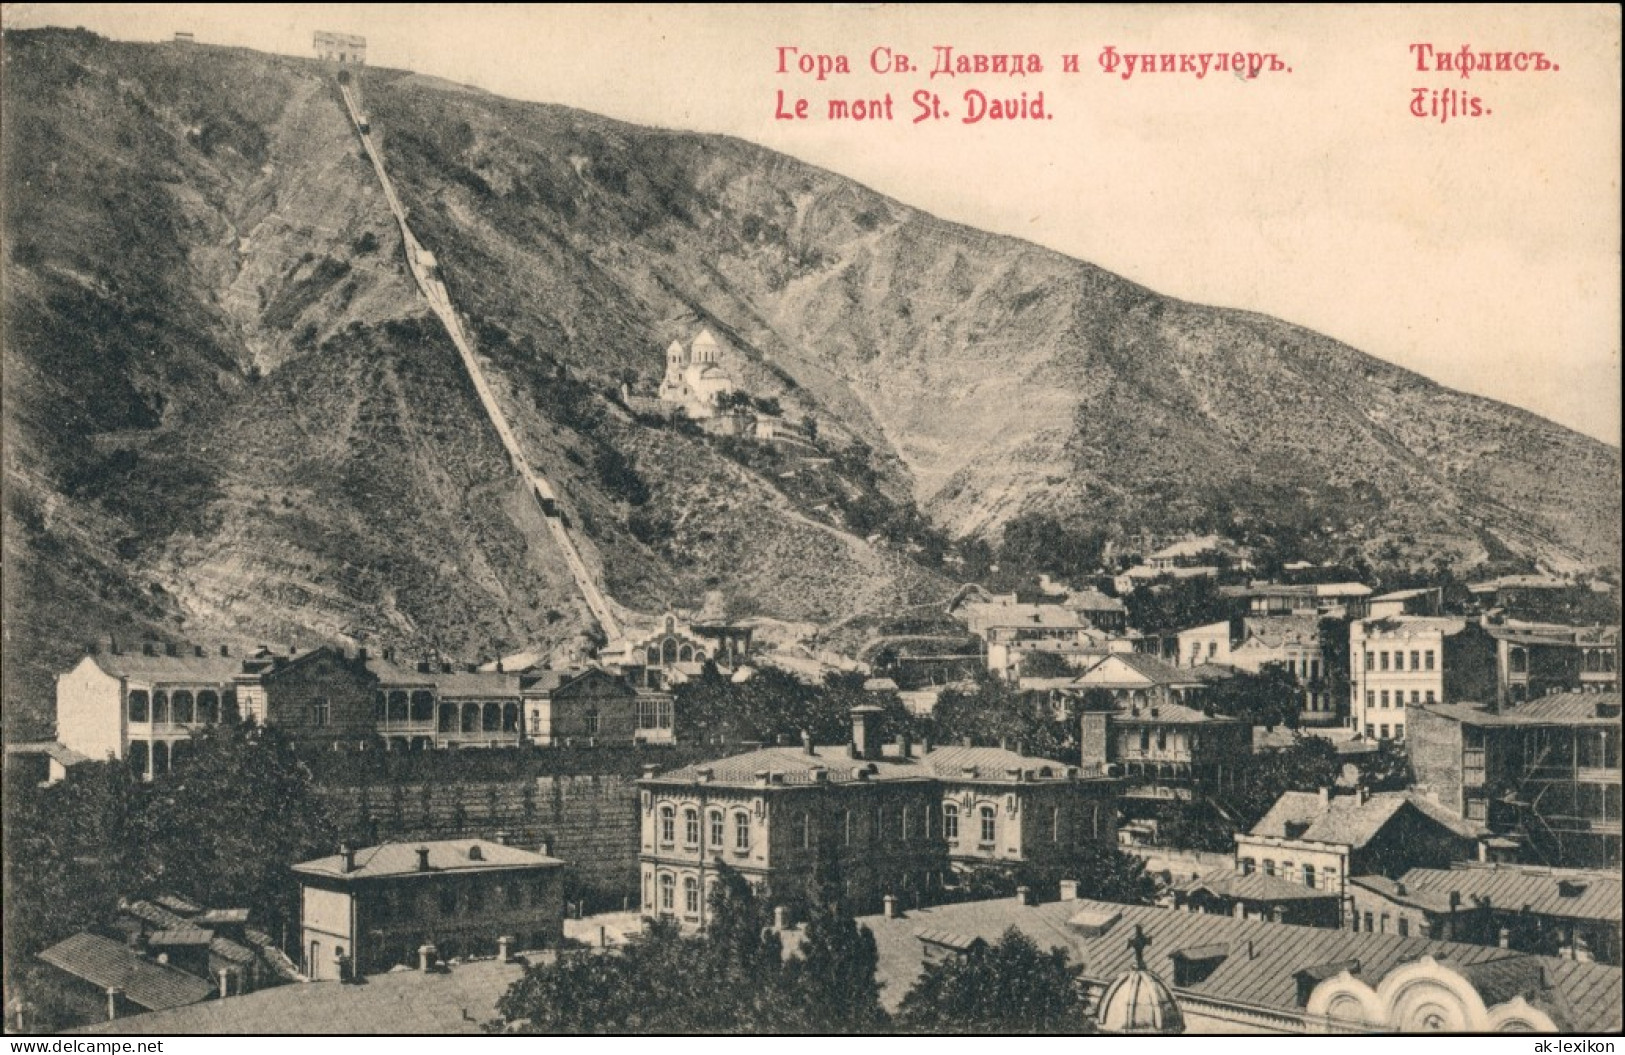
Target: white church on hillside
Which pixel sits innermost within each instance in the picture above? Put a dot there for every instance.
(693, 379)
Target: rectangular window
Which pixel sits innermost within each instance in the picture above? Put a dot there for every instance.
(321, 711)
(741, 831)
(1404, 927)
(1416, 697)
(1427, 658)
(1384, 660)
(1399, 731)
(1414, 664)
(903, 828)
(1399, 661)
(989, 824)
(1368, 927)
(1371, 699)
(950, 822)
(1384, 732)
(1430, 698)
(1370, 731)
(1385, 697)
(716, 827)
(691, 827)
(448, 900)
(1370, 661)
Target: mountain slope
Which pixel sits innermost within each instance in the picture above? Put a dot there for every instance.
(230, 416)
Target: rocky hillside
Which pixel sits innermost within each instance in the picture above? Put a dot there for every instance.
(228, 415)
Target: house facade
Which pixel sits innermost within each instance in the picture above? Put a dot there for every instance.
(1399, 663)
(366, 910)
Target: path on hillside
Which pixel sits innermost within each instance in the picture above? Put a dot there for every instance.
(422, 265)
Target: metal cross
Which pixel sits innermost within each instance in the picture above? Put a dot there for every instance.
(1139, 943)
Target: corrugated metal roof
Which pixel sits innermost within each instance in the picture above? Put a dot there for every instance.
(1346, 821)
(447, 855)
(138, 666)
(1254, 887)
(181, 936)
(107, 964)
(1260, 968)
(1567, 893)
(1560, 708)
(797, 767)
(156, 915)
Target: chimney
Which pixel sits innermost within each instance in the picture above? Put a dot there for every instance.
(781, 918)
(425, 957)
(505, 948)
(650, 769)
(225, 651)
(806, 742)
(347, 853)
(905, 745)
(1503, 938)
(865, 736)
(423, 859)
(91, 648)
(545, 846)
(1399, 888)
(704, 774)
(1069, 890)
(112, 645)
(890, 906)
(1024, 895)
(501, 838)
(1361, 794)
(113, 994)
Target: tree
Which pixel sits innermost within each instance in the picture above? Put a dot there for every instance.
(833, 974)
(1309, 764)
(1167, 605)
(1270, 697)
(1045, 665)
(1010, 987)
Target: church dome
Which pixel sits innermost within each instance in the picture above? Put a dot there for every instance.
(1138, 1002)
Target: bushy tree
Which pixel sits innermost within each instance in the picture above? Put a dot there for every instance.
(1167, 605)
(1309, 764)
(999, 713)
(1270, 697)
(1006, 988)
(833, 974)
(1046, 665)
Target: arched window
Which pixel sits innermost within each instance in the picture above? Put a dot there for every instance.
(1145, 739)
(1248, 866)
(691, 896)
(686, 654)
(160, 708)
(510, 717)
(138, 705)
(950, 822)
(699, 655)
(181, 705)
(492, 718)
(990, 823)
(422, 706)
(668, 652)
(208, 706)
(1269, 866)
(741, 831)
(471, 717)
(399, 706)
(651, 656)
(668, 892)
(668, 824)
(713, 822)
(691, 827)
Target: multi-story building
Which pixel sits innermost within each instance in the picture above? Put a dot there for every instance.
(366, 910)
(434, 704)
(1398, 663)
(145, 706)
(1138, 679)
(1535, 659)
(587, 707)
(1320, 599)
(898, 822)
(676, 650)
(1545, 772)
(1567, 912)
(1319, 839)
(1164, 750)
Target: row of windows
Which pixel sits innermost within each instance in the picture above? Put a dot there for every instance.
(1385, 732)
(1372, 698)
(654, 714)
(180, 706)
(461, 898)
(716, 832)
(1420, 660)
(1286, 870)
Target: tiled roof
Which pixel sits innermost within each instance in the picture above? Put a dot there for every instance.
(1401, 626)
(1260, 968)
(189, 667)
(1254, 887)
(1169, 714)
(447, 855)
(950, 763)
(455, 683)
(227, 949)
(1094, 601)
(1561, 708)
(1570, 893)
(1346, 821)
(1278, 630)
(396, 1003)
(108, 964)
(177, 904)
(797, 766)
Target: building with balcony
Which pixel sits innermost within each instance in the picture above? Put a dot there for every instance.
(1163, 750)
(1544, 773)
(363, 911)
(436, 704)
(899, 821)
(1535, 659)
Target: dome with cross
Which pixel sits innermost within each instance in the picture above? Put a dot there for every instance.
(1138, 1002)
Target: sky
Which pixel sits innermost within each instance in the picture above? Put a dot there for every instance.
(1483, 252)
